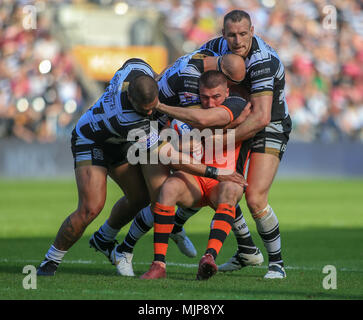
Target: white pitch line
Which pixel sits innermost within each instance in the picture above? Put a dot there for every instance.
(175, 264)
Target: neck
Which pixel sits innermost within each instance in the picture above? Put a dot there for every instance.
(210, 63)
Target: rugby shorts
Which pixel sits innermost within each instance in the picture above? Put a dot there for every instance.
(89, 152)
(273, 138)
(207, 184)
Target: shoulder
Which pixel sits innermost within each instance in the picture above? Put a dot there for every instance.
(203, 53)
(262, 58)
(136, 66)
(235, 105)
(218, 45)
(235, 101)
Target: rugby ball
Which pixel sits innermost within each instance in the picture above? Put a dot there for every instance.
(180, 127)
(183, 128)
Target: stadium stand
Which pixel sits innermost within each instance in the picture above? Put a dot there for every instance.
(40, 92)
(43, 90)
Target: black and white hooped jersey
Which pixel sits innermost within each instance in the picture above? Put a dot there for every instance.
(112, 117)
(264, 72)
(179, 84)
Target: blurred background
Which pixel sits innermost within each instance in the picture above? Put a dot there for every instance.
(56, 58)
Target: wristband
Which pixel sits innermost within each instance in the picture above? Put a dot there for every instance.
(211, 172)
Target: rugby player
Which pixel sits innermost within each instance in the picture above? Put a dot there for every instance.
(179, 86)
(269, 125)
(100, 142)
(191, 191)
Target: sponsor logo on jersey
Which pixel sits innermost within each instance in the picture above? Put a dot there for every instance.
(188, 98)
(258, 73)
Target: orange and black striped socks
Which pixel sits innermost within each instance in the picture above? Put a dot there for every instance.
(163, 225)
(220, 227)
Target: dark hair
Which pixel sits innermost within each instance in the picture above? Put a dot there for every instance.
(143, 89)
(236, 16)
(212, 79)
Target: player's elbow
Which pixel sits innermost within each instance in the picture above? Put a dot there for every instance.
(263, 119)
(201, 121)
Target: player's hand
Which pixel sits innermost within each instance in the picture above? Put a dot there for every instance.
(233, 176)
(161, 107)
(241, 118)
(246, 112)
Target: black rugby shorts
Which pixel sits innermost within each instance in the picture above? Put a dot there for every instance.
(273, 138)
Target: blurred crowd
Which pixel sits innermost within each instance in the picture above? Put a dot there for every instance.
(40, 96)
(320, 43)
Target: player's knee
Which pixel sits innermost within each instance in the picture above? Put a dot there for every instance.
(88, 212)
(256, 201)
(230, 193)
(170, 190)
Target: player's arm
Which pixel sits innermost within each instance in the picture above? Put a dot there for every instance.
(181, 161)
(261, 96)
(259, 117)
(240, 109)
(197, 117)
(217, 137)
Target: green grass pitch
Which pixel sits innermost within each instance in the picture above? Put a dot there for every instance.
(321, 223)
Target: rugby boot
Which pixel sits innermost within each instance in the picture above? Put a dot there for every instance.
(241, 260)
(123, 262)
(207, 267)
(100, 244)
(275, 271)
(157, 271)
(184, 244)
(47, 268)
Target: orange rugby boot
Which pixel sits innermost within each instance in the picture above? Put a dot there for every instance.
(207, 267)
(157, 271)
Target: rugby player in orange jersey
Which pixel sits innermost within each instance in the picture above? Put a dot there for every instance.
(178, 86)
(190, 191)
(269, 124)
(100, 145)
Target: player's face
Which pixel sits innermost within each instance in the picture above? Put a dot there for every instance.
(239, 36)
(146, 109)
(214, 97)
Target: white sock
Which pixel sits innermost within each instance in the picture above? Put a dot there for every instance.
(107, 232)
(268, 229)
(242, 233)
(239, 226)
(55, 254)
